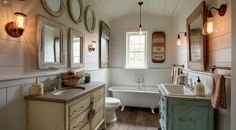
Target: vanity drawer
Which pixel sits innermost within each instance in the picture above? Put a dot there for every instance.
(98, 94)
(78, 122)
(99, 106)
(79, 106)
(97, 119)
(86, 127)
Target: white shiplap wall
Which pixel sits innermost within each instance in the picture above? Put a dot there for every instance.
(233, 89)
(150, 24)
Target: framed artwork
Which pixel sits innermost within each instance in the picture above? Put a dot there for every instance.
(104, 41)
(158, 47)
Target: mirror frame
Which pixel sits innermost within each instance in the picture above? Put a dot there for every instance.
(76, 20)
(104, 32)
(200, 11)
(42, 21)
(51, 12)
(85, 19)
(73, 32)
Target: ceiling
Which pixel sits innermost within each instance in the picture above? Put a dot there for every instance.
(114, 9)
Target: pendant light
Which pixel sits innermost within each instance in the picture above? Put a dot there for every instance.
(140, 25)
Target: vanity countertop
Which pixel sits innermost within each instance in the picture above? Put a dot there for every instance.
(67, 97)
(179, 91)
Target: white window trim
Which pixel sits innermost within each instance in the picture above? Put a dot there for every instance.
(145, 49)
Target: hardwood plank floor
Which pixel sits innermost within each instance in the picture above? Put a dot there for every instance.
(135, 119)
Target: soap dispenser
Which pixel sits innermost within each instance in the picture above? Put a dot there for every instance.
(181, 78)
(199, 88)
(36, 88)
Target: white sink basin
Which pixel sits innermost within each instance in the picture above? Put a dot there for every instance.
(68, 90)
(176, 90)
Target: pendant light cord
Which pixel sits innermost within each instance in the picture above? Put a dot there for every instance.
(140, 16)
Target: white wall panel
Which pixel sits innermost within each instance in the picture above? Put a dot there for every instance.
(3, 102)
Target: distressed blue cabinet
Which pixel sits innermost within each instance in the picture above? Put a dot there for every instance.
(185, 114)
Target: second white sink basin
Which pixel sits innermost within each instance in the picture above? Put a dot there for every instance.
(176, 90)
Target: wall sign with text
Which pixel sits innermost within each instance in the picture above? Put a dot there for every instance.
(158, 47)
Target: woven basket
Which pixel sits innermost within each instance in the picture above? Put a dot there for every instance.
(71, 82)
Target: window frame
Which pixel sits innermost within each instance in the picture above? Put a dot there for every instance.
(128, 34)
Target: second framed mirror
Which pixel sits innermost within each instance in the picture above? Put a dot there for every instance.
(75, 48)
(89, 19)
(76, 10)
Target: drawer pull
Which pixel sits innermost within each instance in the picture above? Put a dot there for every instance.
(91, 114)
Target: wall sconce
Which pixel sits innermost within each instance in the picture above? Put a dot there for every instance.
(16, 27)
(178, 38)
(208, 25)
(92, 46)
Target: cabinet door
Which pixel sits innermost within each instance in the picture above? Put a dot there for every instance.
(189, 117)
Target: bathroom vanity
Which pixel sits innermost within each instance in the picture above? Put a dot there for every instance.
(181, 110)
(81, 108)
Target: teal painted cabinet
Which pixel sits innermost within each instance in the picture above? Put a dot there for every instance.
(185, 114)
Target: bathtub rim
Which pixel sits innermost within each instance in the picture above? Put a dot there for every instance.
(133, 91)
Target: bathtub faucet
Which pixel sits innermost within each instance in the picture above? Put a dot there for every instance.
(140, 81)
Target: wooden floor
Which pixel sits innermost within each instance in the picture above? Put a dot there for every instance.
(135, 119)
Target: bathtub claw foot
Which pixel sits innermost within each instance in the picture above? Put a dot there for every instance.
(152, 109)
(122, 108)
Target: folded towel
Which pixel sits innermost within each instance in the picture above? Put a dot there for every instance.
(218, 95)
(174, 74)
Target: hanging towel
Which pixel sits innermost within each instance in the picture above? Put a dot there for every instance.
(174, 74)
(218, 95)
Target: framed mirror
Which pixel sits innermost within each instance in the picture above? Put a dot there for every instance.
(89, 19)
(76, 10)
(75, 48)
(51, 43)
(104, 43)
(196, 40)
(54, 7)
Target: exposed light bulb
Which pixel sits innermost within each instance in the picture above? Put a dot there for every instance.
(208, 26)
(20, 20)
(6, 2)
(178, 41)
(140, 32)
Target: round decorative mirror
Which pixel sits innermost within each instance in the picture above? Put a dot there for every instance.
(89, 19)
(76, 10)
(54, 7)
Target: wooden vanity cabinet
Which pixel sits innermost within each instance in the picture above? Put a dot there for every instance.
(72, 115)
(185, 114)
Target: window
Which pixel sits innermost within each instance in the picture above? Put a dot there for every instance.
(136, 46)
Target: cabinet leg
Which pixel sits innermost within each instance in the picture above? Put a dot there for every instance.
(122, 108)
(152, 109)
(103, 126)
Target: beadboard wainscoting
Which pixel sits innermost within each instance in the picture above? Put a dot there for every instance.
(12, 92)
(152, 77)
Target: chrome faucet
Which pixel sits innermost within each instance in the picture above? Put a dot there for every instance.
(189, 83)
(140, 81)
